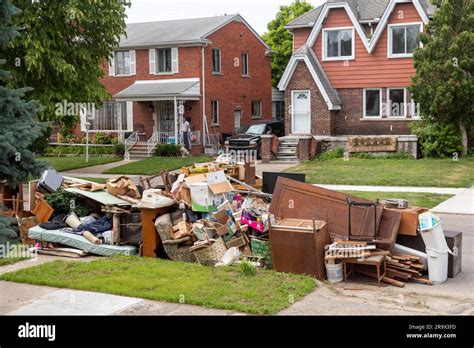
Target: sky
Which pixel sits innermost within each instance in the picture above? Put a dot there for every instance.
(257, 12)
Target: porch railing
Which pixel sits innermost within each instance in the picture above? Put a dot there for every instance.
(130, 142)
(152, 142)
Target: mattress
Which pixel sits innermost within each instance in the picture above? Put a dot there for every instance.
(79, 242)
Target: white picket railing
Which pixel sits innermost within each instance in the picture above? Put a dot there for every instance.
(152, 142)
(130, 142)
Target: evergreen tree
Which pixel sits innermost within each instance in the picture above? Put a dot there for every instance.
(443, 85)
(19, 127)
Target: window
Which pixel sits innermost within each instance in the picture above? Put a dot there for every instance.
(164, 60)
(278, 110)
(372, 102)
(215, 112)
(338, 44)
(414, 108)
(216, 60)
(403, 40)
(396, 102)
(245, 64)
(257, 109)
(112, 116)
(122, 63)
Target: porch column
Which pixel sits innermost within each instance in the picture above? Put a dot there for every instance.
(176, 121)
(180, 121)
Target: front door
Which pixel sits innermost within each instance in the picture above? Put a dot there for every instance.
(301, 115)
(237, 116)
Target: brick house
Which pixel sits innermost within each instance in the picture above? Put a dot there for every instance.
(351, 68)
(215, 71)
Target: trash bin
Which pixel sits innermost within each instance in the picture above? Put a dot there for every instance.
(436, 247)
(437, 265)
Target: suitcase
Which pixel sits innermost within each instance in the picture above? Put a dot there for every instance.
(50, 182)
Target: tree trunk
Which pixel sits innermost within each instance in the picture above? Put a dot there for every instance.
(464, 139)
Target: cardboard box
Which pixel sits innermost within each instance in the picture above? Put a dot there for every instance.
(203, 199)
(409, 222)
(218, 182)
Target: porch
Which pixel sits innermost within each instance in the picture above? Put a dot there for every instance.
(160, 108)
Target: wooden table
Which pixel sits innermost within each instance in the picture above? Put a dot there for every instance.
(376, 261)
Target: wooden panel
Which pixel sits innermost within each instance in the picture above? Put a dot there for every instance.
(300, 252)
(369, 70)
(299, 38)
(409, 223)
(388, 229)
(297, 200)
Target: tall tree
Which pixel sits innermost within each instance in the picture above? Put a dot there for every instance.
(18, 124)
(443, 85)
(280, 39)
(61, 50)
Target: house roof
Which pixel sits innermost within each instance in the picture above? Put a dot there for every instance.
(194, 31)
(160, 90)
(364, 10)
(316, 65)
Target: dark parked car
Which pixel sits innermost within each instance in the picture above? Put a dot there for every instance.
(251, 139)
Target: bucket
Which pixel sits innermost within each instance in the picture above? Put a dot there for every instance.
(437, 265)
(334, 272)
(72, 220)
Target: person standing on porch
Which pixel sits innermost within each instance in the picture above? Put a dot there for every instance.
(186, 129)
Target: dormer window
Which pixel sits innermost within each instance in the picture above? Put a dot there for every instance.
(403, 40)
(338, 44)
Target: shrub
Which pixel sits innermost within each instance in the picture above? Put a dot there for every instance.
(119, 150)
(332, 154)
(61, 202)
(103, 138)
(168, 151)
(363, 155)
(436, 139)
(64, 150)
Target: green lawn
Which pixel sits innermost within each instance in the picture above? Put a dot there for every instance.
(11, 260)
(425, 200)
(390, 172)
(70, 163)
(155, 165)
(267, 292)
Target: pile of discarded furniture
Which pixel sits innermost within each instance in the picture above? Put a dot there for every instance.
(216, 214)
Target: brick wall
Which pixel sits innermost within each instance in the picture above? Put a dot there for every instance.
(232, 89)
(320, 115)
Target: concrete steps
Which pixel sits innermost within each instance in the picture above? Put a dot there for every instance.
(287, 151)
(140, 151)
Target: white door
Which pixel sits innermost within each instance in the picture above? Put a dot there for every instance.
(237, 116)
(301, 115)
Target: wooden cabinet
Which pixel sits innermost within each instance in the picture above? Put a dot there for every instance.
(298, 246)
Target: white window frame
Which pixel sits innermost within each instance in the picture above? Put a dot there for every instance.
(245, 63)
(390, 39)
(414, 109)
(389, 103)
(157, 61)
(212, 112)
(325, 48)
(220, 61)
(364, 99)
(293, 109)
(115, 65)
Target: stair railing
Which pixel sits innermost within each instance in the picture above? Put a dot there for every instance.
(130, 142)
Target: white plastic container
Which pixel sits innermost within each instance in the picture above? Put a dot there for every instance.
(434, 238)
(437, 265)
(334, 272)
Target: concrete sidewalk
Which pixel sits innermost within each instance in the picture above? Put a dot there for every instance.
(95, 170)
(436, 190)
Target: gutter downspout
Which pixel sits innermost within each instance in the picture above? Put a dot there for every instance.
(204, 117)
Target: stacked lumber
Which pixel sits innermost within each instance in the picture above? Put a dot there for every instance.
(406, 268)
